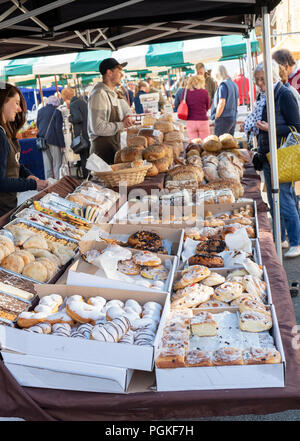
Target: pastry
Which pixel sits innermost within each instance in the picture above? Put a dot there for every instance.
(197, 358)
(146, 258)
(50, 265)
(260, 355)
(192, 274)
(63, 253)
(213, 279)
(209, 260)
(254, 321)
(248, 304)
(111, 332)
(25, 255)
(203, 324)
(36, 241)
(49, 304)
(228, 291)
(171, 356)
(211, 246)
(157, 273)
(227, 356)
(20, 234)
(213, 304)
(43, 253)
(83, 312)
(36, 270)
(7, 242)
(13, 262)
(145, 237)
(191, 296)
(128, 267)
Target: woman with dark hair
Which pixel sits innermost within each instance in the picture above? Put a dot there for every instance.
(14, 177)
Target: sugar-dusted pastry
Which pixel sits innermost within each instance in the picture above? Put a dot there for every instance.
(36, 241)
(83, 312)
(213, 279)
(192, 274)
(260, 355)
(159, 272)
(191, 296)
(254, 321)
(197, 358)
(146, 258)
(228, 291)
(203, 324)
(227, 356)
(128, 267)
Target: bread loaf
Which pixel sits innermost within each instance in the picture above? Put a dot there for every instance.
(228, 141)
(169, 154)
(164, 126)
(149, 120)
(162, 164)
(117, 157)
(152, 171)
(130, 154)
(175, 135)
(154, 152)
(137, 140)
(212, 144)
(166, 117)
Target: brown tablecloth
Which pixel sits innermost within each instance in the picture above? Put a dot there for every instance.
(45, 404)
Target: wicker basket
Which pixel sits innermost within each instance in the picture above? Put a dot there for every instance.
(123, 173)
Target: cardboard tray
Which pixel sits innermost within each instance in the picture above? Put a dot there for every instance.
(82, 273)
(80, 351)
(226, 377)
(169, 234)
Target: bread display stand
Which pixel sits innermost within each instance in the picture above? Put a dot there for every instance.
(226, 377)
(77, 364)
(82, 273)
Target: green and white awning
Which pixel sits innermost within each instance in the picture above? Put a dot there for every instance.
(153, 57)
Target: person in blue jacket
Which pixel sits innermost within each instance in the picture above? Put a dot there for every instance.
(50, 126)
(14, 177)
(142, 88)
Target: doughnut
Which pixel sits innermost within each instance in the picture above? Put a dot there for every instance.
(128, 338)
(83, 312)
(114, 311)
(85, 329)
(112, 331)
(145, 237)
(228, 291)
(131, 303)
(195, 358)
(203, 324)
(146, 258)
(254, 321)
(59, 317)
(158, 272)
(114, 302)
(209, 260)
(49, 303)
(213, 280)
(191, 275)
(62, 329)
(261, 356)
(40, 328)
(128, 267)
(152, 306)
(144, 323)
(97, 301)
(211, 246)
(26, 319)
(227, 356)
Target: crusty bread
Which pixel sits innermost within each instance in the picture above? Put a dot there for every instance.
(152, 171)
(228, 141)
(130, 154)
(212, 144)
(162, 164)
(154, 152)
(164, 126)
(137, 140)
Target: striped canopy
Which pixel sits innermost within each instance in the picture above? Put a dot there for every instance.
(156, 56)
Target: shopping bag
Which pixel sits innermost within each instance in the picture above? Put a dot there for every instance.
(41, 144)
(288, 159)
(183, 110)
(78, 144)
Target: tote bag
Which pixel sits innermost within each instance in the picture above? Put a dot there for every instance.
(183, 110)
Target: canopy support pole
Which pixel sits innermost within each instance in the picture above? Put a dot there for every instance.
(41, 90)
(272, 127)
(250, 72)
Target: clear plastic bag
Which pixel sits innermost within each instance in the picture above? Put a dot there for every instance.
(292, 139)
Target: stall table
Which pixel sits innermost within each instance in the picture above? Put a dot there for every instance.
(52, 405)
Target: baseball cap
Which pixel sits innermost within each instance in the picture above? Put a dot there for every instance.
(109, 63)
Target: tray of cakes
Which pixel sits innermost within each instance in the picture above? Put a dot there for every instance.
(203, 349)
(14, 301)
(37, 252)
(113, 266)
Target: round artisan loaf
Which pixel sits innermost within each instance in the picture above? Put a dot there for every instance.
(162, 164)
(169, 154)
(175, 135)
(154, 152)
(228, 141)
(152, 171)
(212, 144)
(130, 154)
(137, 140)
(164, 126)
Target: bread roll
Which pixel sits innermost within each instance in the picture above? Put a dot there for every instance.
(130, 154)
(228, 141)
(154, 152)
(137, 140)
(162, 164)
(212, 144)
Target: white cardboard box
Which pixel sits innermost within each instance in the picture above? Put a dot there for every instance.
(226, 377)
(85, 351)
(52, 373)
(173, 237)
(82, 273)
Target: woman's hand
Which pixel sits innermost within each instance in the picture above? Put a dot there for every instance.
(263, 125)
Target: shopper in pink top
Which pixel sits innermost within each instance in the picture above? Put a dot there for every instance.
(197, 99)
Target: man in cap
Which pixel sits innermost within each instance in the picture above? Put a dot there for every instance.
(108, 115)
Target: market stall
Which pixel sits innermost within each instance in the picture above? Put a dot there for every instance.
(65, 379)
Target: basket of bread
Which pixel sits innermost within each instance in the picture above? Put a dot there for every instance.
(131, 173)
